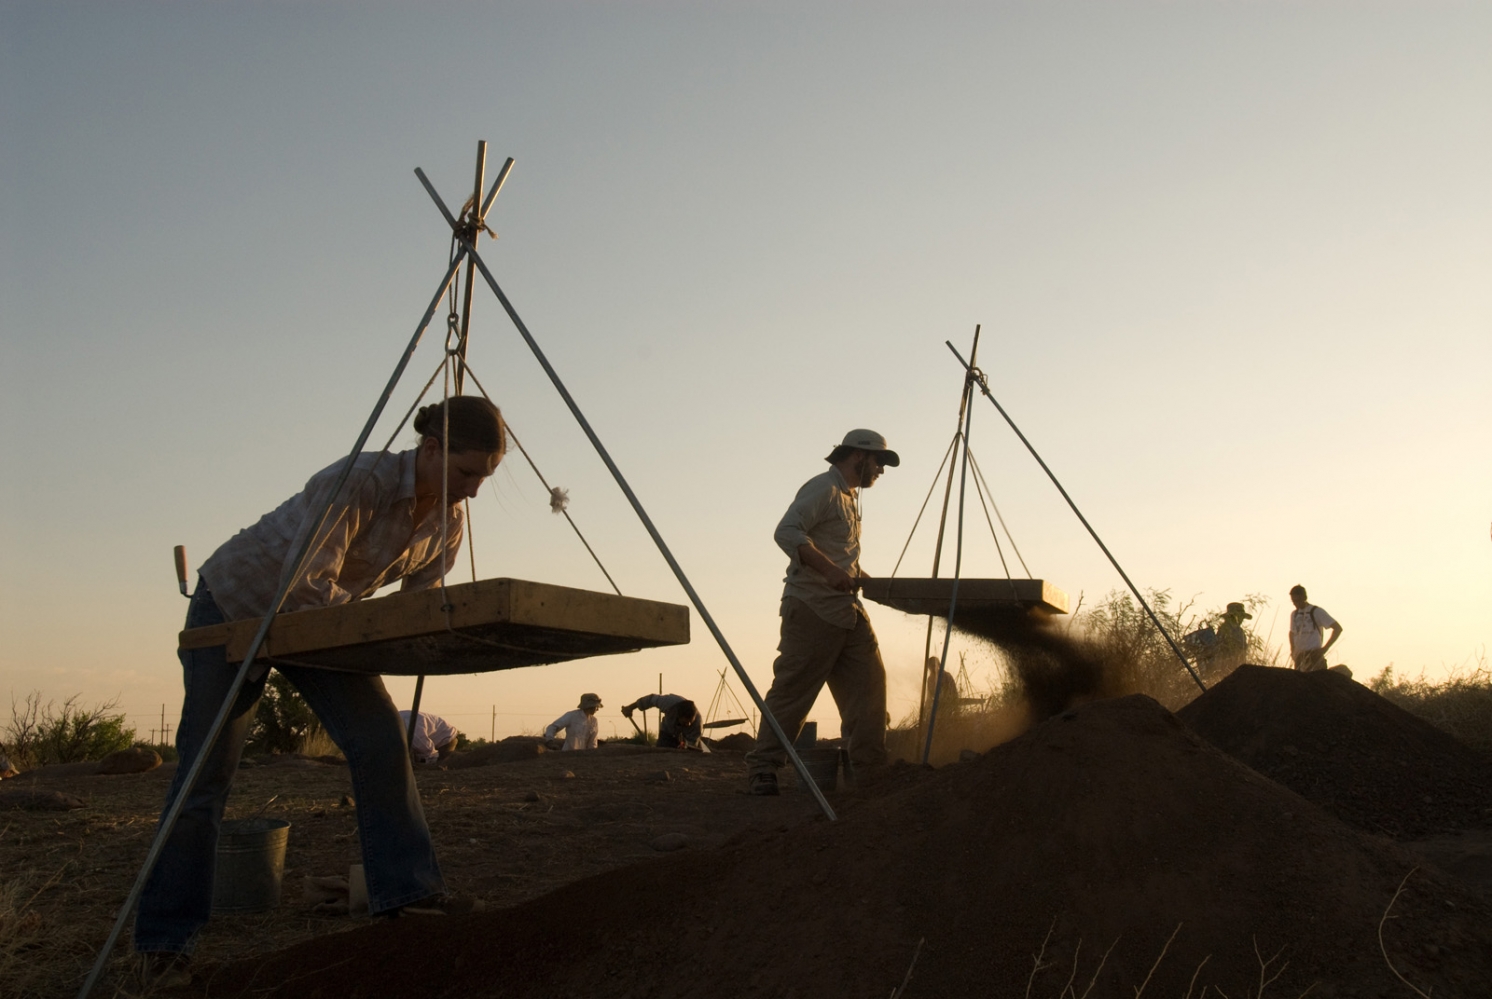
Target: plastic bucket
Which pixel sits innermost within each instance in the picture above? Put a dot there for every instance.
(822, 766)
(250, 865)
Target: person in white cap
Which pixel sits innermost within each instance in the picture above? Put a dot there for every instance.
(826, 637)
(580, 726)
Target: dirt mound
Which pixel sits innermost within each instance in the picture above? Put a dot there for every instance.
(736, 742)
(497, 752)
(1356, 754)
(1104, 828)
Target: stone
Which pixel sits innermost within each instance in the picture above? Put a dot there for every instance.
(658, 777)
(669, 842)
(38, 801)
(135, 760)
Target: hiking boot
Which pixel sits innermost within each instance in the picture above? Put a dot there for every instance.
(165, 970)
(441, 905)
(764, 783)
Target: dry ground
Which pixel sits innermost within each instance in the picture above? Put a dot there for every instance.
(595, 812)
(64, 873)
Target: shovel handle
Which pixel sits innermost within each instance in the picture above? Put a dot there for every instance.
(181, 569)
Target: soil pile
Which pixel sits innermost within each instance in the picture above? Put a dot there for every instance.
(1099, 831)
(1356, 754)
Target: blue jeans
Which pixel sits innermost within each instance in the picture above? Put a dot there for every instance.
(358, 714)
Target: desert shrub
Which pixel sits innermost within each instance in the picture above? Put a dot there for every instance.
(1139, 658)
(1461, 704)
(283, 721)
(40, 733)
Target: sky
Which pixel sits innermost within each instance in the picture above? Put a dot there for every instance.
(1230, 261)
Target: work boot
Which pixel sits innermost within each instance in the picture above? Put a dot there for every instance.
(440, 905)
(165, 970)
(764, 783)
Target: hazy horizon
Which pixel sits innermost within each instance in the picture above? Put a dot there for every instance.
(1230, 260)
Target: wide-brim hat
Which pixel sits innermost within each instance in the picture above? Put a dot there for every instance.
(1237, 608)
(590, 700)
(869, 440)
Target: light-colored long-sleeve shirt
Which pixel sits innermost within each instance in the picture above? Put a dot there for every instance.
(370, 539)
(824, 512)
(580, 729)
(430, 733)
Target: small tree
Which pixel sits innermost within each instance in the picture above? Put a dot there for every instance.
(282, 720)
(41, 734)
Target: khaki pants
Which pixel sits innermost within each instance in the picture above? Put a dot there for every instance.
(813, 652)
(1310, 660)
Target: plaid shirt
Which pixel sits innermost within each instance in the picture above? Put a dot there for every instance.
(369, 540)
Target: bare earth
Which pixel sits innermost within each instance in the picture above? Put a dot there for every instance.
(595, 812)
(1109, 825)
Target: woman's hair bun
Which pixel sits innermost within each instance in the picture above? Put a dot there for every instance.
(422, 420)
(474, 424)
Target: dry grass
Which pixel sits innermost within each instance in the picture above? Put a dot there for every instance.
(317, 743)
(37, 934)
(1460, 704)
(1270, 970)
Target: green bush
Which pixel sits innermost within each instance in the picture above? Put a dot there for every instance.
(43, 734)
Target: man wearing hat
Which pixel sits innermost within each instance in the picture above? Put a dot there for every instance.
(1232, 643)
(826, 637)
(580, 726)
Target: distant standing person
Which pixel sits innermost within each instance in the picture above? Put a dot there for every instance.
(1232, 641)
(1306, 625)
(434, 737)
(679, 724)
(580, 726)
(826, 637)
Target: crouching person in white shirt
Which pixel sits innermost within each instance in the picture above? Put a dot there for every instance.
(580, 726)
(434, 737)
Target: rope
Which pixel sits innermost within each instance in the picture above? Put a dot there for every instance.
(636, 504)
(936, 475)
(557, 497)
(189, 782)
(958, 564)
(977, 377)
(998, 550)
(979, 476)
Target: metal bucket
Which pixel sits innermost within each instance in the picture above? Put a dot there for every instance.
(822, 765)
(250, 865)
